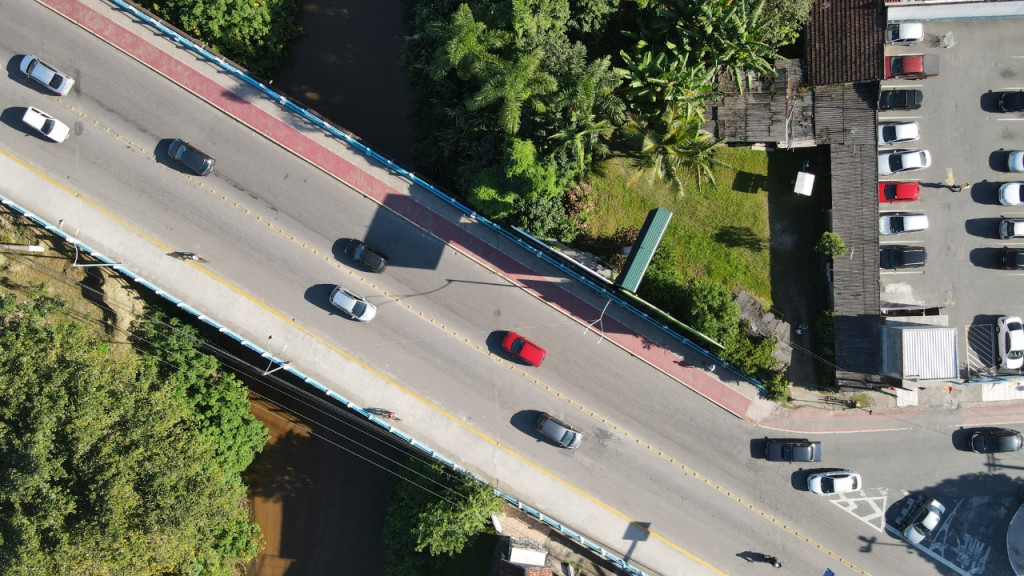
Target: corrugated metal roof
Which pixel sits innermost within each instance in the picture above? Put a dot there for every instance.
(642, 252)
(925, 352)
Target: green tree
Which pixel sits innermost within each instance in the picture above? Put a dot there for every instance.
(434, 512)
(831, 245)
(674, 149)
(257, 35)
(103, 468)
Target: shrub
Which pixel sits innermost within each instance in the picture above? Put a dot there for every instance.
(831, 245)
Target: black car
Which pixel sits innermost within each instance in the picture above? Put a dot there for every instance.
(900, 100)
(1011, 101)
(370, 259)
(190, 157)
(792, 450)
(1013, 258)
(996, 440)
(893, 257)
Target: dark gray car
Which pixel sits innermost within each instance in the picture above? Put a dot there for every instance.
(190, 157)
(371, 259)
(792, 450)
(900, 100)
(998, 440)
(892, 257)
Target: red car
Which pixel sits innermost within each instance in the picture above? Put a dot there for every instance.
(522, 348)
(898, 191)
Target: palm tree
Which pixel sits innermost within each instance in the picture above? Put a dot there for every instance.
(675, 149)
(514, 85)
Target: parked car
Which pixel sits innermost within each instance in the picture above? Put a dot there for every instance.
(41, 72)
(894, 132)
(998, 440)
(46, 125)
(903, 160)
(1011, 229)
(892, 257)
(900, 99)
(901, 222)
(904, 33)
(352, 306)
(190, 157)
(1011, 101)
(923, 521)
(1015, 161)
(1013, 258)
(558, 432)
(911, 66)
(1010, 337)
(898, 191)
(834, 482)
(1010, 194)
(792, 450)
(371, 259)
(523, 349)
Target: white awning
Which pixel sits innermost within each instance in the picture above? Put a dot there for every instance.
(804, 183)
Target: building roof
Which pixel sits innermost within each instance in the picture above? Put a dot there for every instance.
(845, 40)
(644, 248)
(919, 352)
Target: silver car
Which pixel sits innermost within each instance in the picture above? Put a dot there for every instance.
(558, 432)
(42, 73)
(923, 521)
(834, 482)
(352, 306)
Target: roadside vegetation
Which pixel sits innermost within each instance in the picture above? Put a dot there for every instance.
(119, 457)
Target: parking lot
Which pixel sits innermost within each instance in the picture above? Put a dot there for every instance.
(969, 141)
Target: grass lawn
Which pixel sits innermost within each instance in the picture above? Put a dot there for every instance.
(722, 233)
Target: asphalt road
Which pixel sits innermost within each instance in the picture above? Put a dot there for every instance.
(271, 224)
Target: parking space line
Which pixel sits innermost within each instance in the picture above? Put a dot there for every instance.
(919, 271)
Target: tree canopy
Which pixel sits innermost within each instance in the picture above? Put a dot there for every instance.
(114, 461)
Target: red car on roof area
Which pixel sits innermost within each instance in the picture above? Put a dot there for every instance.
(898, 191)
(522, 348)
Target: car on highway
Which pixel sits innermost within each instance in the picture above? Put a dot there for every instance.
(901, 222)
(903, 161)
(833, 482)
(923, 521)
(898, 191)
(792, 450)
(352, 306)
(991, 441)
(45, 124)
(523, 349)
(904, 33)
(1012, 258)
(42, 73)
(1010, 337)
(1011, 101)
(558, 432)
(1011, 228)
(895, 132)
(1015, 161)
(190, 157)
(369, 258)
(1010, 194)
(893, 257)
(900, 99)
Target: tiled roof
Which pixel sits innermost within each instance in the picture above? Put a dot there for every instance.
(845, 41)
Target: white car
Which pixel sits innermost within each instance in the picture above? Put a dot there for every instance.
(891, 133)
(46, 125)
(1011, 229)
(901, 222)
(904, 33)
(903, 160)
(41, 72)
(921, 523)
(352, 306)
(1011, 342)
(1015, 161)
(1010, 194)
(834, 482)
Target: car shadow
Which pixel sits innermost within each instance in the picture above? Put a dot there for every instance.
(989, 258)
(163, 156)
(982, 227)
(14, 73)
(997, 160)
(986, 193)
(12, 117)
(320, 295)
(493, 343)
(525, 421)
